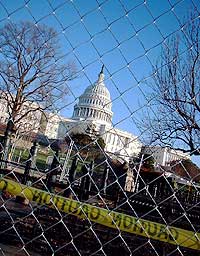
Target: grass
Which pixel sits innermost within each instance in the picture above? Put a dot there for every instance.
(22, 155)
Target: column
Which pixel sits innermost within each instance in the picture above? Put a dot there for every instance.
(89, 112)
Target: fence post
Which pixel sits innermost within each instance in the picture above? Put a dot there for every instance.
(1, 153)
(72, 171)
(30, 162)
(6, 143)
(65, 165)
(84, 170)
(88, 182)
(52, 173)
(72, 175)
(91, 170)
(105, 179)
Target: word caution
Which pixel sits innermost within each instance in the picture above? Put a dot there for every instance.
(123, 222)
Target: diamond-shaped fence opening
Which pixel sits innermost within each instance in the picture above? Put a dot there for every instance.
(99, 127)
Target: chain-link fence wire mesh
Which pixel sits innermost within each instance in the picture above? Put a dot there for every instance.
(116, 177)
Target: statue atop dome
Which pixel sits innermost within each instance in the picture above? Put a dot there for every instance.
(101, 75)
(102, 68)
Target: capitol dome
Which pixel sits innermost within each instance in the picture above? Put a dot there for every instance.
(95, 103)
(97, 89)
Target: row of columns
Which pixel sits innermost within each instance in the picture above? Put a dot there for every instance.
(96, 102)
(89, 112)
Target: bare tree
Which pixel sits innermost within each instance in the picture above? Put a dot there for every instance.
(32, 74)
(176, 96)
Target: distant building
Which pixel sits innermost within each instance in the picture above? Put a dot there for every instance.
(4, 114)
(164, 155)
(29, 123)
(50, 124)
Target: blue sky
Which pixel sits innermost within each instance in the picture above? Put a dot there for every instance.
(125, 35)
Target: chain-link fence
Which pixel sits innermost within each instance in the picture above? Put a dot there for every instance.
(99, 127)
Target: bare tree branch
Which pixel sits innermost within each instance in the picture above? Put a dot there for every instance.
(176, 96)
(31, 68)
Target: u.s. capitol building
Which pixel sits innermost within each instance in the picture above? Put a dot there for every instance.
(94, 112)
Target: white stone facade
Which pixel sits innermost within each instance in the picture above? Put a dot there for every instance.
(122, 143)
(29, 123)
(164, 155)
(4, 116)
(51, 124)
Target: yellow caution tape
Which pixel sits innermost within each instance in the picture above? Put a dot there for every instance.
(123, 222)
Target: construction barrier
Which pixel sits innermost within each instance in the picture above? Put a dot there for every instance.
(111, 219)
